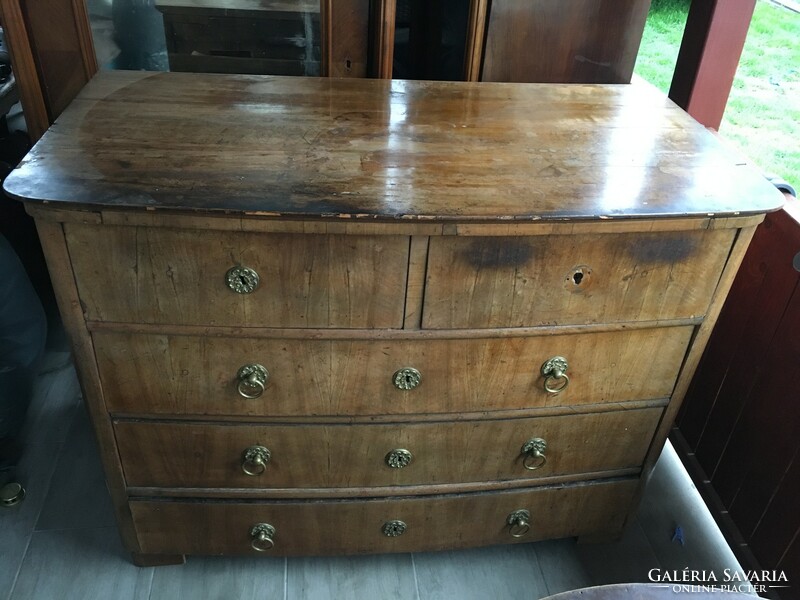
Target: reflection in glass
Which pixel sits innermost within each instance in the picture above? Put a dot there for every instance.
(430, 39)
(273, 37)
(128, 34)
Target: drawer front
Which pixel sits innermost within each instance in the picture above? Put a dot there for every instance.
(564, 279)
(182, 375)
(156, 275)
(157, 454)
(356, 527)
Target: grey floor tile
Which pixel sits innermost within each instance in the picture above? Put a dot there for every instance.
(54, 402)
(221, 578)
(385, 576)
(506, 572)
(80, 564)
(78, 497)
(671, 500)
(625, 561)
(561, 565)
(16, 523)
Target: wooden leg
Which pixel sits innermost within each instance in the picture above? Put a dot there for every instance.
(157, 560)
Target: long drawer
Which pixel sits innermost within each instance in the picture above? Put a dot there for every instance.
(475, 282)
(158, 454)
(357, 526)
(192, 375)
(184, 277)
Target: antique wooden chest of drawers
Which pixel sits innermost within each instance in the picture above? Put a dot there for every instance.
(342, 316)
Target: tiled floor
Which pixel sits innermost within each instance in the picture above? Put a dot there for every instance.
(61, 542)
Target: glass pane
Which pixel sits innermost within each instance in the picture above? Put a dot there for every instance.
(271, 37)
(430, 39)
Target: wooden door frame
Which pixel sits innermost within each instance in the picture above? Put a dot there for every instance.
(31, 81)
(712, 45)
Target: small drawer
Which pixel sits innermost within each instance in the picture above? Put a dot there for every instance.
(377, 526)
(184, 277)
(158, 454)
(185, 375)
(477, 282)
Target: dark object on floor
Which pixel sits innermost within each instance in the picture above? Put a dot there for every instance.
(11, 494)
(23, 330)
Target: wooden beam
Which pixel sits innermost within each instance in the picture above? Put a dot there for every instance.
(712, 46)
(476, 34)
(345, 38)
(24, 66)
(383, 24)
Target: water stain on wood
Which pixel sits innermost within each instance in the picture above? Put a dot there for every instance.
(498, 252)
(663, 248)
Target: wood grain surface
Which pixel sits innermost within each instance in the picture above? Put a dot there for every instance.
(156, 275)
(308, 456)
(371, 149)
(333, 527)
(554, 280)
(552, 41)
(194, 375)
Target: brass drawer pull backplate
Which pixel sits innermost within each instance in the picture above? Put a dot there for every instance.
(255, 459)
(263, 537)
(519, 523)
(394, 528)
(406, 378)
(555, 376)
(242, 280)
(252, 381)
(534, 450)
(399, 458)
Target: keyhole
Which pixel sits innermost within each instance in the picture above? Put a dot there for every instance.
(577, 278)
(348, 64)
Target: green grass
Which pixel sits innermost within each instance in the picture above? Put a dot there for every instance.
(763, 114)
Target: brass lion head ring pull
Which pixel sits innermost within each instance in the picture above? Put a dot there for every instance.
(519, 523)
(255, 459)
(252, 381)
(263, 537)
(533, 450)
(554, 371)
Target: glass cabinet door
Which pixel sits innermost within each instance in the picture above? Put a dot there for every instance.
(270, 37)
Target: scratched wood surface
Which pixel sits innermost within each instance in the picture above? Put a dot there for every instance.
(334, 527)
(193, 375)
(385, 149)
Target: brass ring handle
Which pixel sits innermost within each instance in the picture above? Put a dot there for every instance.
(519, 523)
(242, 280)
(534, 451)
(554, 370)
(252, 381)
(255, 459)
(263, 537)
